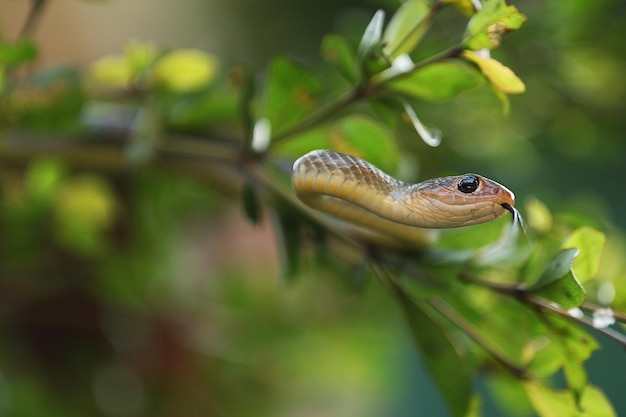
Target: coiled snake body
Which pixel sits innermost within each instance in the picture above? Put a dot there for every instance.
(352, 189)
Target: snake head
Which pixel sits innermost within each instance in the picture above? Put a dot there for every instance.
(469, 199)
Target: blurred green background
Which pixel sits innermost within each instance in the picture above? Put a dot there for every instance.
(150, 295)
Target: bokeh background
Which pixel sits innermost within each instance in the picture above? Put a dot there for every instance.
(176, 308)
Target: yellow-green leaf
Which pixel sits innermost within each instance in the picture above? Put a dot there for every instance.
(337, 51)
(486, 28)
(439, 81)
(186, 70)
(551, 403)
(590, 242)
(501, 76)
(538, 215)
(406, 28)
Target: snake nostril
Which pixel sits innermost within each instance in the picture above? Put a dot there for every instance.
(468, 184)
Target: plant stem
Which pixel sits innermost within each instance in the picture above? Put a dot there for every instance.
(529, 299)
(34, 14)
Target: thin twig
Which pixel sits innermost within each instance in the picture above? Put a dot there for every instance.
(34, 13)
(546, 305)
(619, 316)
(527, 298)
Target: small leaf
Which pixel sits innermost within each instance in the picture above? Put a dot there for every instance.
(431, 137)
(440, 81)
(566, 292)
(250, 204)
(14, 54)
(373, 34)
(290, 93)
(289, 236)
(337, 51)
(486, 28)
(441, 358)
(560, 265)
(591, 243)
(498, 74)
(186, 70)
(406, 28)
(557, 282)
(550, 403)
(355, 135)
(574, 346)
(466, 7)
(538, 215)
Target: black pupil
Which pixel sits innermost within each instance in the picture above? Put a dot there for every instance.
(468, 184)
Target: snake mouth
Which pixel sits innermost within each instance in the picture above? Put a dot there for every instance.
(508, 207)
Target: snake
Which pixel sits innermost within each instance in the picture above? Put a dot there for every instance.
(356, 191)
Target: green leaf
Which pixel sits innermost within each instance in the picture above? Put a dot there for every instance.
(499, 75)
(59, 100)
(560, 265)
(355, 135)
(538, 216)
(574, 346)
(440, 81)
(591, 243)
(337, 51)
(466, 7)
(557, 282)
(406, 28)
(373, 34)
(14, 54)
(290, 93)
(441, 358)
(486, 28)
(250, 204)
(551, 403)
(289, 236)
(566, 292)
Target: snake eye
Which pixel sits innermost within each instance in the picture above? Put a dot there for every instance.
(468, 184)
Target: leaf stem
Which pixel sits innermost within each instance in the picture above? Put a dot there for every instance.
(33, 16)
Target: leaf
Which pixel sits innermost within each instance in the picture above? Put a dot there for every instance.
(20, 52)
(566, 292)
(538, 215)
(574, 346)
(557, 282)
(466, 7)
(406, 28)
(430, 136)
(337, 51)
(289, 236)
(560, 265)
(355, 135)
(439, 81)
(290, 93)
(441, 358)
(373, 34)
(250, 204)
(499, 75)
(486, 28)
(591, 243)
(551, 403)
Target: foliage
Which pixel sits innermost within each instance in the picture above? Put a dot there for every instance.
(511, 308)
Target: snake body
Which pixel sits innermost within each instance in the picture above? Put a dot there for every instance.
(352, 189)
